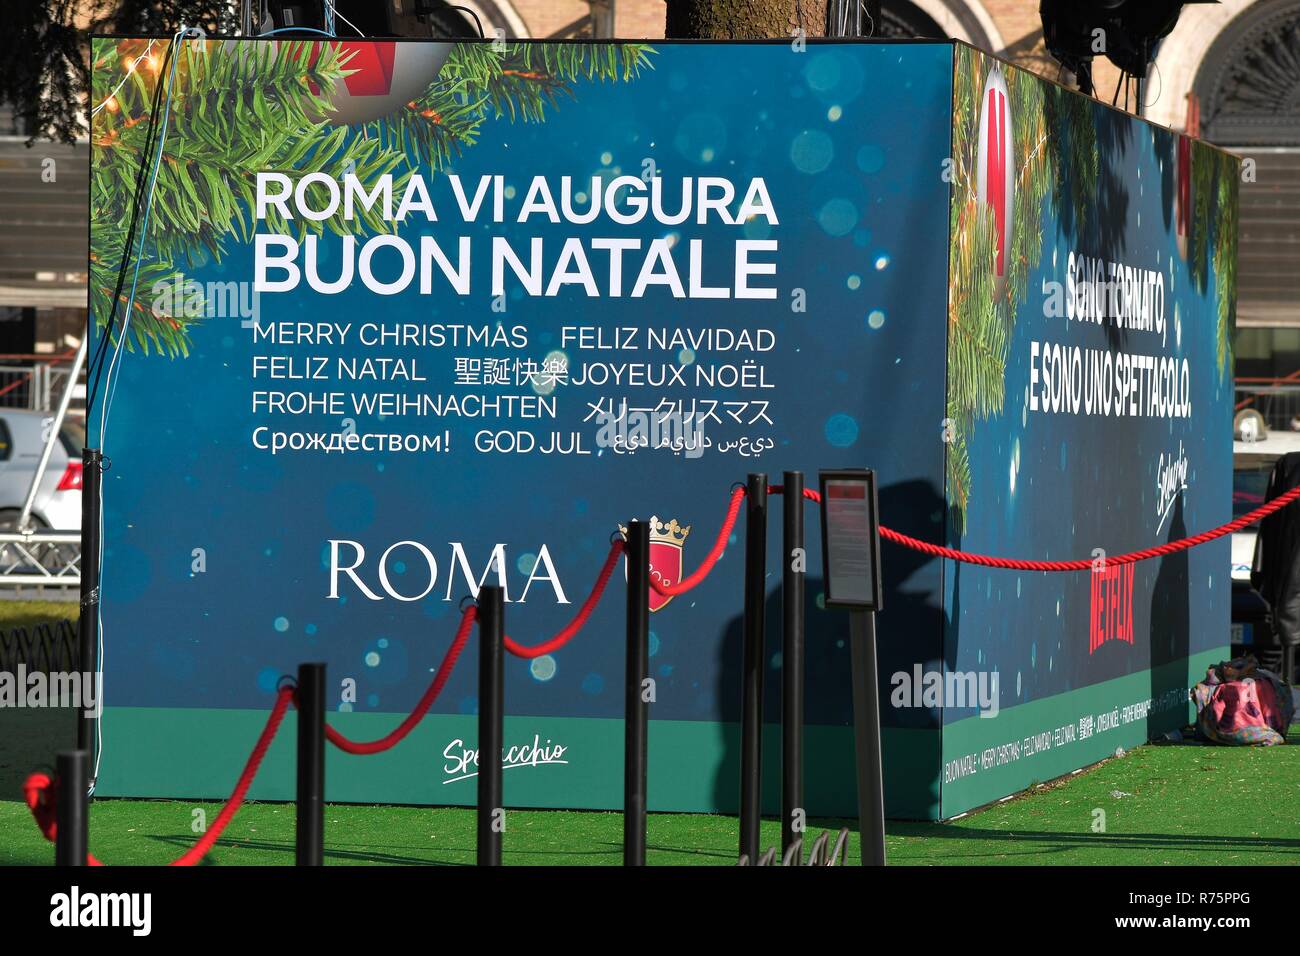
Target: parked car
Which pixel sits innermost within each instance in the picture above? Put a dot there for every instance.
(58, 499)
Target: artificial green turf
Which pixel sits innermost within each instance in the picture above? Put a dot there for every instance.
(1174, 804)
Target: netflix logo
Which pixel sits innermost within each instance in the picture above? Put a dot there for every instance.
(1110, 616)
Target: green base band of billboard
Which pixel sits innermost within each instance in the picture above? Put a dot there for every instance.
(1045, 739)
(550, 762)
(694, 764)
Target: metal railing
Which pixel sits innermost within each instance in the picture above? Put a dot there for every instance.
(46, 648)
(24, 386)
(1278, 400)
(37, 385)
(41, 558)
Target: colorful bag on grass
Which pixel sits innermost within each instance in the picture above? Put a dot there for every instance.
(1240, 703)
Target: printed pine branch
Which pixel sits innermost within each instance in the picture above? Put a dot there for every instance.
(267, 107)
(230, 117)
(513, 81)
(981, 316)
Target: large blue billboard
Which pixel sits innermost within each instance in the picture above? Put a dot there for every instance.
(420, 316)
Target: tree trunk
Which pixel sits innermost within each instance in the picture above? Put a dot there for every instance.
(743, 19)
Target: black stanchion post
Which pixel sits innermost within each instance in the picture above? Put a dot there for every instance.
(310, 842)
(866, 731)
(851, 565)
(636, 707)
(491, 718)
(792, 598)
(72, 836)
(88, 621)
(751, 707)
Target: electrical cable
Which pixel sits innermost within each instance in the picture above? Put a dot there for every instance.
(96, 364)
(1159, 90)
(330, 4)
(111, 380)
(122, 82)
(477, 22)
(271, 33)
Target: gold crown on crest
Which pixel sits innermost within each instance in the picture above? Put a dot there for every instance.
(670, 533)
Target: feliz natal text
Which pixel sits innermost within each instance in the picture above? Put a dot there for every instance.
(607, 266)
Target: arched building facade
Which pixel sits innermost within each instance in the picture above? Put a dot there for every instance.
(1231, 74)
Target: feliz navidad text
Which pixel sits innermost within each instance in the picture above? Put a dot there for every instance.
(603, 261)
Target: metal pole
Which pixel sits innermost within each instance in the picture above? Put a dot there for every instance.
(1084, 77)
(751, 707)
(491, 814)
(866, 733)
(602, 19)
(72, 836)
(92, 475)
(792, 600)
(311, 765)
(636, 708)
(65, 400)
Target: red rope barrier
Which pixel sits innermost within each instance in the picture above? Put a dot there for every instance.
(42, 793)
(196, 852)
(1083, 564)
(810, 493)
(421, 708)
(719, 546)
(573, 627)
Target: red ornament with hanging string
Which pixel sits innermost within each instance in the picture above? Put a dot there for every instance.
(383, 77)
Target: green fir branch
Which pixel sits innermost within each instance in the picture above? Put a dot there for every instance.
(266, 106)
